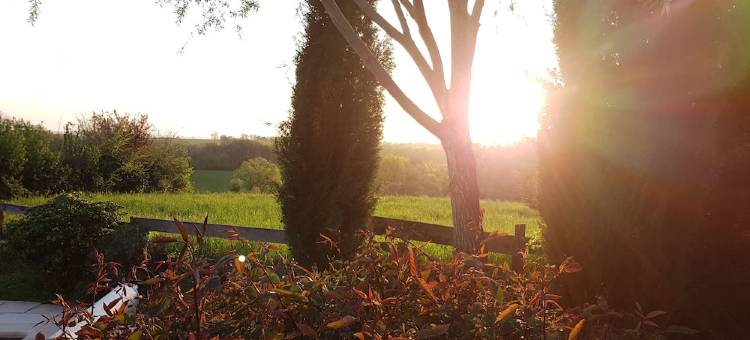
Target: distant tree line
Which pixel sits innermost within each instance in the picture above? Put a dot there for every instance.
(106, 152)
(504, 172)
(227, 153)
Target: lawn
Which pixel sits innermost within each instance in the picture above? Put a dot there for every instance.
(211, 180)
(260, 210)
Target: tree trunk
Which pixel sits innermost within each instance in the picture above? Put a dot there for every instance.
(464, 191)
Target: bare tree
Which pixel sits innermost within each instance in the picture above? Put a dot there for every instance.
(452, 101)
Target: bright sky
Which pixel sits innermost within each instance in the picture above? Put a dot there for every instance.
(93, 55)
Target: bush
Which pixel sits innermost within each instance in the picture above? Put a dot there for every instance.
(256, 175)
(12, 158)
(116, 152)
(390, 289)
(27, 165)
(125, 245)
(167, 166)
(57, 237)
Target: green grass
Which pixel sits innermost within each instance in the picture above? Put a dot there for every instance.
(261, 210)
(211, 180)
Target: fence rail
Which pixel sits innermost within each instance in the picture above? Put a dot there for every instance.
(416, 231)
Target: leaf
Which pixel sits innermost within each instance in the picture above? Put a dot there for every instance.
(389, 300)
(681, 330)
(650, 323)
(198, 234)
(576, 330)
(426, 288)
(108, 308)
(289, 294)
(500, 294)
(432, 332)
(136, 335)
(90, 332)
(363, 335)
(307, 330)
(570, 266)
(655, 313)
(234, 234)
(182, 230)
(412, 263)
(506, 312)
(344, 322)
(360, 293)
(150, 282)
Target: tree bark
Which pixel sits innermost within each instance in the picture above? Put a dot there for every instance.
(464, 190)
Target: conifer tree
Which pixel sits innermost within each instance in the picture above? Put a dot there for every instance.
(328, 148)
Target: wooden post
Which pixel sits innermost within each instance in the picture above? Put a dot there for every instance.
(516, 261)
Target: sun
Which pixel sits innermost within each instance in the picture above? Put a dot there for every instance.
(506, 111)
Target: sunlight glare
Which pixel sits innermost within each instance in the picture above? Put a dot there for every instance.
(507, 112)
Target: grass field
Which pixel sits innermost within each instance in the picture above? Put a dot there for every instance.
(262, 210)
(211, 180)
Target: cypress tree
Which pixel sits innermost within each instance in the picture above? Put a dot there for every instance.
(328, 148)
(644, 157)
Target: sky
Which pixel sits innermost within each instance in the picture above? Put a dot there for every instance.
(130, 56)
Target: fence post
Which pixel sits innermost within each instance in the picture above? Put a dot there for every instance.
(516, 261)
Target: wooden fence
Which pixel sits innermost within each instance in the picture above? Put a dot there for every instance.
(512, 245)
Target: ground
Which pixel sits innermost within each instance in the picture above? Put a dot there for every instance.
(211, 180)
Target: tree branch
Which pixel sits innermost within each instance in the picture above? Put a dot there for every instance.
(476, 12)
(418, 13)
(379, 20)
(401, 17)
(434, 80)
(373, 65)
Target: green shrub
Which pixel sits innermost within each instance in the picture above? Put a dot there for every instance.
(117, 152)
(57, 237)
(124, 245)
(27, 165)
(256, 175)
